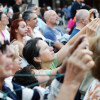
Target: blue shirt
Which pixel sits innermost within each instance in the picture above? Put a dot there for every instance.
(51, 34)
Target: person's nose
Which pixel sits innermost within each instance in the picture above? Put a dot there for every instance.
(51, 48)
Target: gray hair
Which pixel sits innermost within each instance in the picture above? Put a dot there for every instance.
(47, 14)
(26, 15)
(29, 7)
(81, 14)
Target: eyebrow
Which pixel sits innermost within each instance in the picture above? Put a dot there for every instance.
(35, 18)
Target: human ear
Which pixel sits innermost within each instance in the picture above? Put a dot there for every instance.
(16, 30)
(37, 59)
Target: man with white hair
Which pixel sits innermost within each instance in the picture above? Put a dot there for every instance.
(82, 19)
(51, 32)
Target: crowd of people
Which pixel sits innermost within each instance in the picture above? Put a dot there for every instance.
(40, 62)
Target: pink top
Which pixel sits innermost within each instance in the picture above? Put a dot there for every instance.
(2, 35)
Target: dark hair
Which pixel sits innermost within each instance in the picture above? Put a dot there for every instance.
(16, 15)
(25, 80)
(26, 15)
(31, 50)
(1, 15)
(3, 45)
(29, 7)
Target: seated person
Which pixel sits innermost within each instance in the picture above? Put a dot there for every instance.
(53, 33)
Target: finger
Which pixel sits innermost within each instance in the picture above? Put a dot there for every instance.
(86, 58)
(76, 43)
(83, 45)
(89, 65)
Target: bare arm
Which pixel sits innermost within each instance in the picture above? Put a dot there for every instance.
(76, 72)
(62, 53)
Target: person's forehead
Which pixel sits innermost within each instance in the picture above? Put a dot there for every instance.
(22, 23)
(33, 15)
(35, 7)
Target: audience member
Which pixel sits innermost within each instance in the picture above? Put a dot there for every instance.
(41, 24)
(76, 6)
(16, 7)
(18, 30)
(17, 15)
(82, 19)
(53, 33)
(3, 26)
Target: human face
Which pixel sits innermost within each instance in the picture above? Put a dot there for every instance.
(1, 8)
(39, 77)
(36, 8)
(46, 53)
(33, 21)
(19, 1)
(22, 29)
(4, 19)
(53, 17)
(6, 62)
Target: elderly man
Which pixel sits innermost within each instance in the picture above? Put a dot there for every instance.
(52, 32)
(82, 19)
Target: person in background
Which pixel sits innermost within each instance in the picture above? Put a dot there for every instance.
(41, 24)
(16, 7)
(76, 6)
(16, 15)
(82, 19)
(3, 26)
(1, 7)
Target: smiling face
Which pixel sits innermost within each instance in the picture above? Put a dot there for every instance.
(46, 53)
(22, 29)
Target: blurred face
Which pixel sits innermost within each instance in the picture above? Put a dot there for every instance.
(6, 63)
(40, 78)
(33, 21)
(53, 17)
(20, 16)
(46, 53)
(22, 29)
(4, 19)
(19, 1)
(1, 8)
(36, 8)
